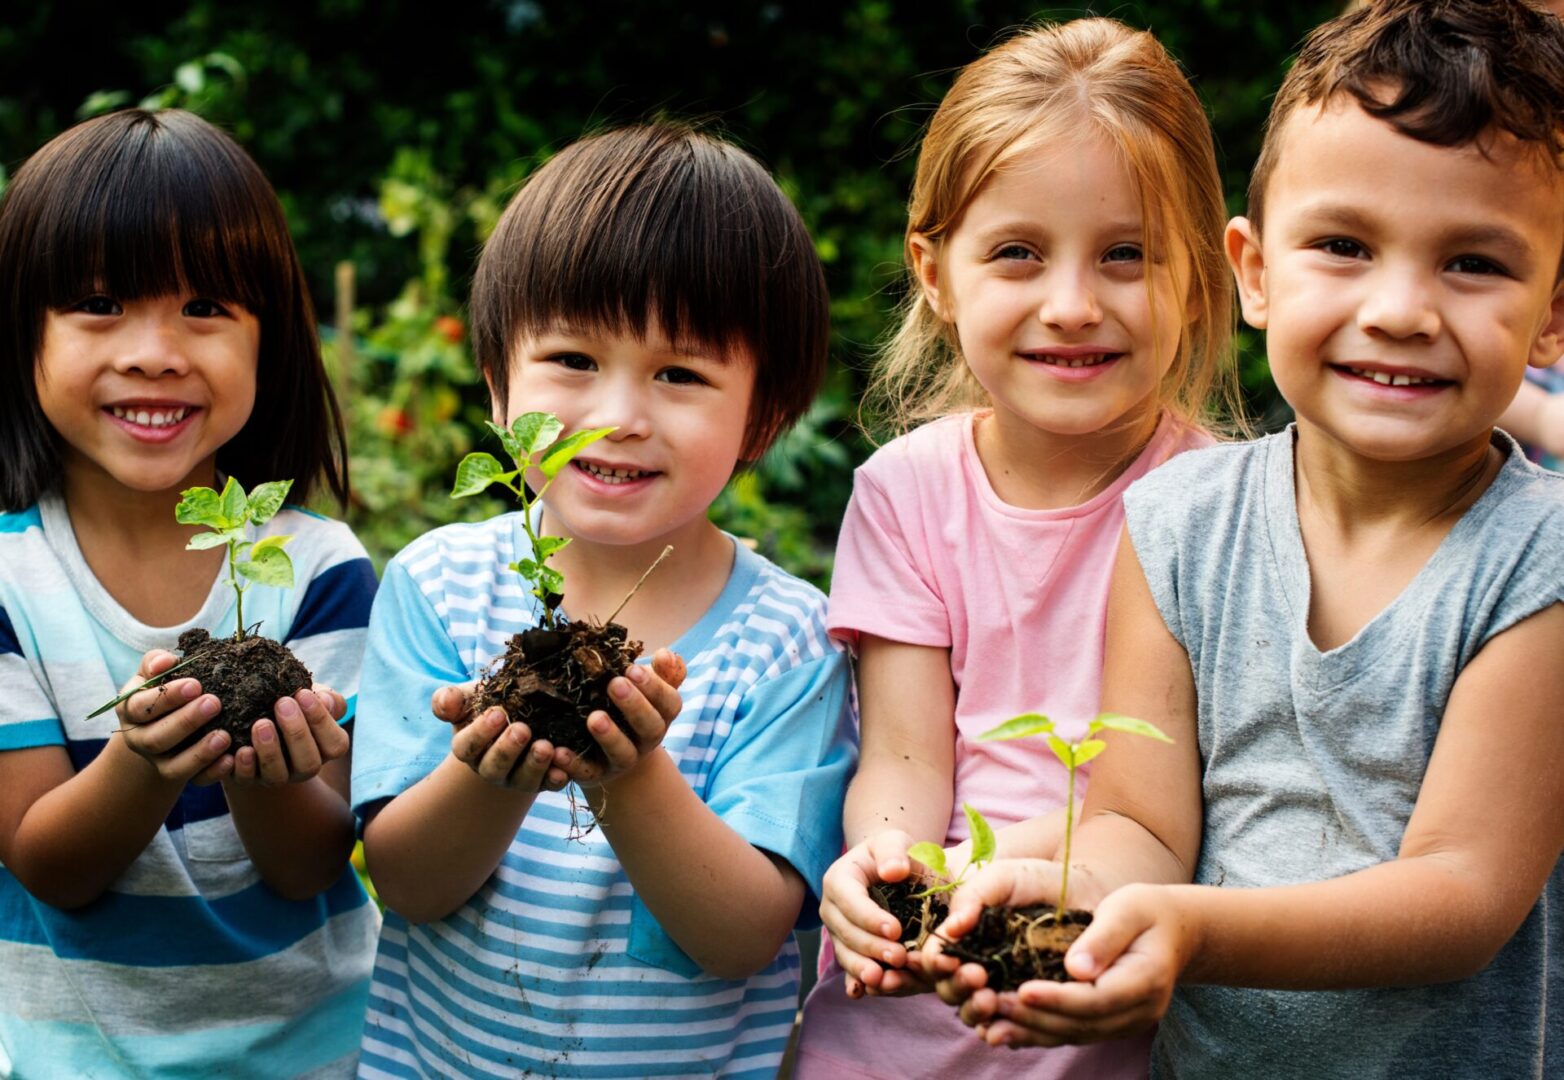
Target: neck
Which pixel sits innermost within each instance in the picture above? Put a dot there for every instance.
(102, 507)
(1350, 490)
(1034, 469)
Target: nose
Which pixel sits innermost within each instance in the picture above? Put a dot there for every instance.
(1399, 303)
(622, 404)
(154, 348)
(1069, 303)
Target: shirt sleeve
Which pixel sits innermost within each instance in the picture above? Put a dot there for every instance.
(328, 630)
(408, 655)
(27, 715)
(882, 583)
(781, 775)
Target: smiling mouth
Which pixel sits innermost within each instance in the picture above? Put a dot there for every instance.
(1385, 378)
(613, 476)
(1090, 360)
(153, 418)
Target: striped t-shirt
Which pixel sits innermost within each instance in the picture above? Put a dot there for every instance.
(554, 967)
(188, 966)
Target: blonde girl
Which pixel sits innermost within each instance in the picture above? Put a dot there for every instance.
(1067, 319)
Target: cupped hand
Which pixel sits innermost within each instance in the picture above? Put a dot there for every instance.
(305, 726)
(157, 723)
(866, 937)
(648, 698)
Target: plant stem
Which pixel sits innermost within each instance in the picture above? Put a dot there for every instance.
(655, 564)
(1069, 823)
(233, 579)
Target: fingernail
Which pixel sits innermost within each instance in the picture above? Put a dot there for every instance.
(287, 707)
(307, 699)
(637, 673)
(889, 955)
(265, 734)
(209, 706)
(619, 689)
(216, 740)
(189, 688)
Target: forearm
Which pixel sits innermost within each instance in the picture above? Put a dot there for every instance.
(899, 791)
(727, 904)
(432, 847)
(1117, 851)
(81, 835)
(1411, 921)
(298, 835)
(1536, 418)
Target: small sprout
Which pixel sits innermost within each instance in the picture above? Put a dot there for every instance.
(933, 856)
(1073, 755)
(533, 442)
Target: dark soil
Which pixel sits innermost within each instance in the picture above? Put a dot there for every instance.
(1016, 945)
(248, 676)
(552, 680)
(918, 915)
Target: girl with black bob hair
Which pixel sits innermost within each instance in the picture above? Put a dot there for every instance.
(156, 335)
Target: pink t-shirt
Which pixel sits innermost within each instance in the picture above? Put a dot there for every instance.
(930, 555)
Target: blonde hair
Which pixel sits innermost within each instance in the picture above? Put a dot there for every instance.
(1040, 85)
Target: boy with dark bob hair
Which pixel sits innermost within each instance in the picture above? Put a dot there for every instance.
(655, 281)
(1348, 863)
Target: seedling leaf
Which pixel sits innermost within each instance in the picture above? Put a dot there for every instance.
(560, 453)
(202, 541)
(1127, 723)
(1062, 750)
(1087, 750)
(1018, 727)
(930, 855)
(982, 836)
(234, 504)
(266, 499)
(200, 506)
(476, 472)
(268, 566)
(267, 543)
(534, 431)
(551, 580)
(526, 568)
(548, 545)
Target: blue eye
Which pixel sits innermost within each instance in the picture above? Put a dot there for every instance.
(1015, 252)
(1123, 253)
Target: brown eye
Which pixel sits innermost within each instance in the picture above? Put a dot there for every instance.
(98, 305)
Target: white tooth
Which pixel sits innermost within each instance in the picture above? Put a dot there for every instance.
(143, 419)
(157, 419)
(1401, 380)
(118, 412)
(1381, 378)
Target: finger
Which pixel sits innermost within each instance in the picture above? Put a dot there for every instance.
(852, 987)
(578, 768)
(303, 754)
(669, 667)
(335, 704)
(220, 769)
(331, 741)
(450, 703)
(160, 736)
(534, 765)
(500, 759)
(270, 767)
(1083, 1028)
(1002, 1032)
(978, 1007)
(244, 767)
(899, 981)
(470, 743)
(659, 694)
(190, 762)
(617, 747)
(888, 854)
(861, 941)
(149, 705)
(1009, 883)
(645, 721)
(556, 780)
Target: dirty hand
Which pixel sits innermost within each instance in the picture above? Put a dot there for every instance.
(309, 733)
(156, 722)
(863, 934)
(492, 746)
(648, 696)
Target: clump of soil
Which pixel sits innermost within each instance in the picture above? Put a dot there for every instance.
(247, 676)
(553, 679)
(918, 915)
(1016, 945)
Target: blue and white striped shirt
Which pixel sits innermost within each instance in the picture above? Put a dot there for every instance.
(189, 966)
(554, 967)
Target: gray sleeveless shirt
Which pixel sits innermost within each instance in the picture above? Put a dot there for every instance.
(1311, 762)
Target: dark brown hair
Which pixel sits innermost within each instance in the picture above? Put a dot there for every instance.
(144, 204)
(1452, 70)
(659, 224)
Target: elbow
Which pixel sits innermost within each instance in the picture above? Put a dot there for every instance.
(740, 964)
(66, 891)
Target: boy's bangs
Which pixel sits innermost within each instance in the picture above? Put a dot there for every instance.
(155, 216)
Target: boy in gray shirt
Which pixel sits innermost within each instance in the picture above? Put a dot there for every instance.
(1353, 629)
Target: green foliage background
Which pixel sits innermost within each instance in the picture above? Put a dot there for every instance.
(394, 131)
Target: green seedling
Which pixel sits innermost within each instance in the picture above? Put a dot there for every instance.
(933, 856)
(533, 442)
(263, 561)
(1073, 755)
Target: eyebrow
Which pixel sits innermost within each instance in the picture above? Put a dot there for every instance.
(1512, 244)
(1022, 227)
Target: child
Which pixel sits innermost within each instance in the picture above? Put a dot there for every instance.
(653, 280)
(1349, 628)
(1069, 312)
(158, 337)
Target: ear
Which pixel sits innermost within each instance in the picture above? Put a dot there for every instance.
(1244, 255)
(1548, 345)
(925, 267)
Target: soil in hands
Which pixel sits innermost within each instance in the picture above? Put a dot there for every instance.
(917, 915)
(553, 679)
(247, 676)
(1016, 945)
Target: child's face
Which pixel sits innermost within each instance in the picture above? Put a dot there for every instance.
(146, 391)
(1062, 317)
(1385, 259)
(680, 420)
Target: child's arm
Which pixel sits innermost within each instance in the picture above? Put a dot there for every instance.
(292, 813)
(1536, 418)
(68, 835)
